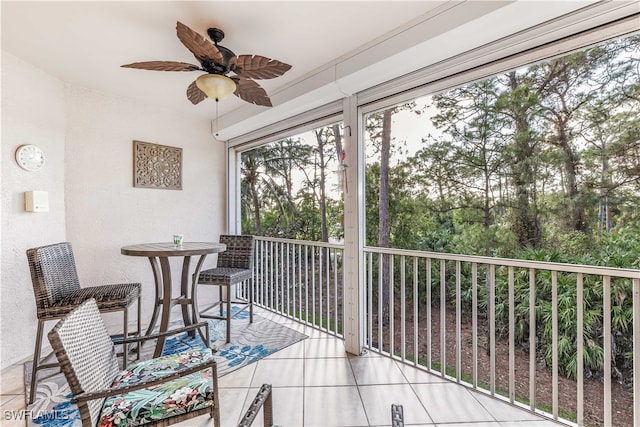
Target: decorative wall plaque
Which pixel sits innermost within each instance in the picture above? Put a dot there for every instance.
(157, 166)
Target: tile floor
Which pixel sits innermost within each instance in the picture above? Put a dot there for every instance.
(315, 383)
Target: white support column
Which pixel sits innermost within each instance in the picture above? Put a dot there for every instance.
(234, 217)
(354, 295)
(233, 174)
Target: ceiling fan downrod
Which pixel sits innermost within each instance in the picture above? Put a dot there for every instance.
(215, 34)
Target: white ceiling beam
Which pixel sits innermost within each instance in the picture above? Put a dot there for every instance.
(447, 31)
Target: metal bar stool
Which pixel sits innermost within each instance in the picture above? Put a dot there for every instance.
(234, 266)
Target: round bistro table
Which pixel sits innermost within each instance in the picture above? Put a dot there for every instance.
(162, 277)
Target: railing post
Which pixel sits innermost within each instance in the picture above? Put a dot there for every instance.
(512, 340)
(606, 345)
(416, 317)
(443, 319)
(474, 320)
(491, 306)
(458, 322)
(429, 311)
(636, 351)
(554, 341)
(580, 349)
(532, 339)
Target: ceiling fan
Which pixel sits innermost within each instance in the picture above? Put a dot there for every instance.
(218, 61)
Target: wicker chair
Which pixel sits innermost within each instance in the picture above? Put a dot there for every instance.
(397, 415)
(234, 266)
(263, 400)
(159, 391)
(57, 291)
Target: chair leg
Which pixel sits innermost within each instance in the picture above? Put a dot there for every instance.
(36, 361)
(215, 408)
(267, 412)
(220, 299)
(125, 331)
(250, 300)
(195, 316)
(139, 330)
(228, 313)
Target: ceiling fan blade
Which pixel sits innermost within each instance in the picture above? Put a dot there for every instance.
(163, 66)
(202, 48)
(194, 94)
(251, 91)
(259, 67)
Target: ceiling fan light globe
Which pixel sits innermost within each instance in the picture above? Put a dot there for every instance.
(216, 86)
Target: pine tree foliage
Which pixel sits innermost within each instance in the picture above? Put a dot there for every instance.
(539, 163)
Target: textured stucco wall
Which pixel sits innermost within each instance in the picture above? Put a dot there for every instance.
(88, 139)
(32, 113)
(105, 211)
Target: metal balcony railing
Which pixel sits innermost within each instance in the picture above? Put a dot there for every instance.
(467, 319)
(301, 280)
(452, 314)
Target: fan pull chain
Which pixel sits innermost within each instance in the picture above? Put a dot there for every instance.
(216, 117)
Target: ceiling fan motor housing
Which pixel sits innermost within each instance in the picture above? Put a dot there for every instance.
(226, 57)
(216, 35)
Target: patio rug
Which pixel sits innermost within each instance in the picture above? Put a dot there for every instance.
(250, 342)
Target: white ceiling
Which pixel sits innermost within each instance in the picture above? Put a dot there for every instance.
(85, 42)
(335, 47)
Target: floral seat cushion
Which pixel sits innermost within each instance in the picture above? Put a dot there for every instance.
(182, 395)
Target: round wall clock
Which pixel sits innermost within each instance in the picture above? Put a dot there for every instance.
(30, 157)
